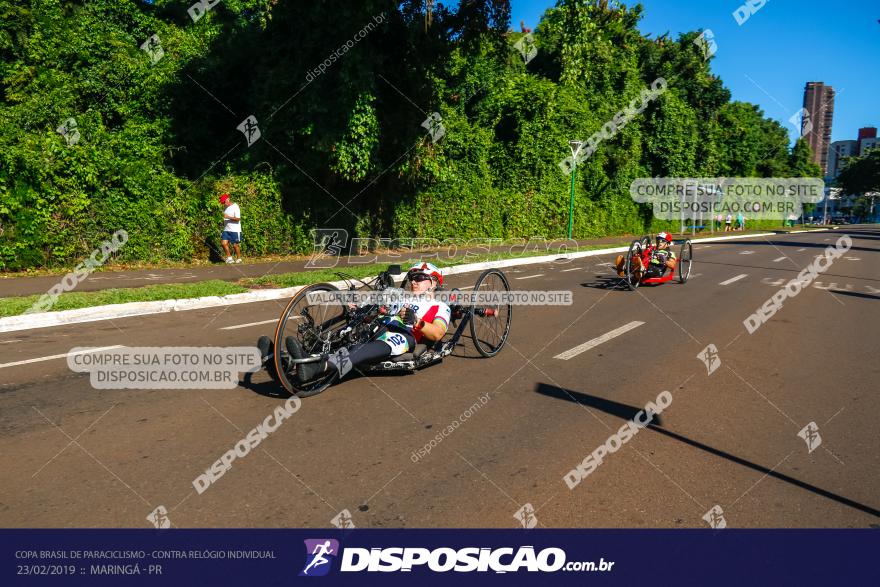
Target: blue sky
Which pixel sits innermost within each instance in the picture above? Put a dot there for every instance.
(764, 61)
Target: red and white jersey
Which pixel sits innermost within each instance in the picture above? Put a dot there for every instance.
(432, 313)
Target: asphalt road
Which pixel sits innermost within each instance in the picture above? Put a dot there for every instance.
(73, 456)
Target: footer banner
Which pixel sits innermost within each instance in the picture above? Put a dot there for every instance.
(437, 557)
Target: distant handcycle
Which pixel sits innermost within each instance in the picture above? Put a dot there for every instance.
(638, 268)
(322, 329)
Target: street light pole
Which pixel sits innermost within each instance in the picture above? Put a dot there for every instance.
(575, 147)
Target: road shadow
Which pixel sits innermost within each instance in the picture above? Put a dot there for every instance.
(606, 282)
(855, 294)
(786, 270)
(626, 412)
(788, 244)
(265, 388)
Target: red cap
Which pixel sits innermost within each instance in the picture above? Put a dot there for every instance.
(224, 198)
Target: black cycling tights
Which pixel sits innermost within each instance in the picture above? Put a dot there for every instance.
(370, 353)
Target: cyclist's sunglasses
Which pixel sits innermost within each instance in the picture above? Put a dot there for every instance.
(419, 277)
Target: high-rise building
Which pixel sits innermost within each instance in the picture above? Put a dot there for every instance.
(816, 122)
(836, 154)
(867, 140)
(838, 150)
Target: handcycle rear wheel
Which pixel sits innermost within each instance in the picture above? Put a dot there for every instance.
(633, 275)
(309, 324)
(685, 259)
(490, 324)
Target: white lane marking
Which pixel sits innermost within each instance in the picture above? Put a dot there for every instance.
(852, 258)
(597, 341)
(531, 276)
(732, 279)
(62, 355)
(747, 252)
(703, 247)
(9, 341)
(800, 250)
(466, 287)
(567, 270)
(249, 324)
(780, 259)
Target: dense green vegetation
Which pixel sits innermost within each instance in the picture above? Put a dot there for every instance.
(861, 175)
(342, 143)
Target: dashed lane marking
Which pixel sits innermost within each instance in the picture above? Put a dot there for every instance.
(732, 279)
(571, 353)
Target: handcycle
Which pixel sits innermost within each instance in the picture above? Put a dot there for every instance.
(322, 328)
(638, 258)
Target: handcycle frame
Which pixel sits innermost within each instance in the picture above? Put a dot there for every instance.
(644, 248)
(362, 324)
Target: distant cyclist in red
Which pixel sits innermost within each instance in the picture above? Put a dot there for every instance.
(662, 258)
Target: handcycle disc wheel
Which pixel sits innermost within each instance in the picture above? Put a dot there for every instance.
(633, 273)
(309, 324)
(685, 260)
(490, 324)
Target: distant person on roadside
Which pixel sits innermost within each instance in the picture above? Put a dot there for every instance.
(740, 221)
(720, 221)
(728, 222)
(231, 228)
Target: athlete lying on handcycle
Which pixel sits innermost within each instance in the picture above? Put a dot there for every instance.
(662, 259)
(425, 321)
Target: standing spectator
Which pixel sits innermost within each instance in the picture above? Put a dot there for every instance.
(727, 223)
(740, 221)
(231, 228)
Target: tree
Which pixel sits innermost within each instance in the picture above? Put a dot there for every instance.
(800, 162)
(861, 175)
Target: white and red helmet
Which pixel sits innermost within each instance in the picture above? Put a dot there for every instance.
(664, 236)
(428, 269)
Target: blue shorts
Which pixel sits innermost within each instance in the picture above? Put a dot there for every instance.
(233, 237)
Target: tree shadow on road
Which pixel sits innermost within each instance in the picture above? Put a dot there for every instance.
(626, 412)
(787, 244)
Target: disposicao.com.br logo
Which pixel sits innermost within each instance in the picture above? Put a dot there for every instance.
(442, 560)
(320, 553)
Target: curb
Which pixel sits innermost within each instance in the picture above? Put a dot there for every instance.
(131, 309)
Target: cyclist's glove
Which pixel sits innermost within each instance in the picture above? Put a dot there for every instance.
(408, 316)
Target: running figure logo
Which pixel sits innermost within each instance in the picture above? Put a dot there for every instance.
(810, 434)
(320, 553)
(159, 517)
(710, 358)
(250, 130)
(526, 516)
(343, 519)
(715, 518)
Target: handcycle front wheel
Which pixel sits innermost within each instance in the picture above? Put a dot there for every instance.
(685, 260)
(490, 323)
(310, 324)
(633, 275)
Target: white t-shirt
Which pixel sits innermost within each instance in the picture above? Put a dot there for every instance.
(234, 211)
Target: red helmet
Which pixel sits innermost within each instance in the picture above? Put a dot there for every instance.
(427, 269)
(224, 198)
(664, 236)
